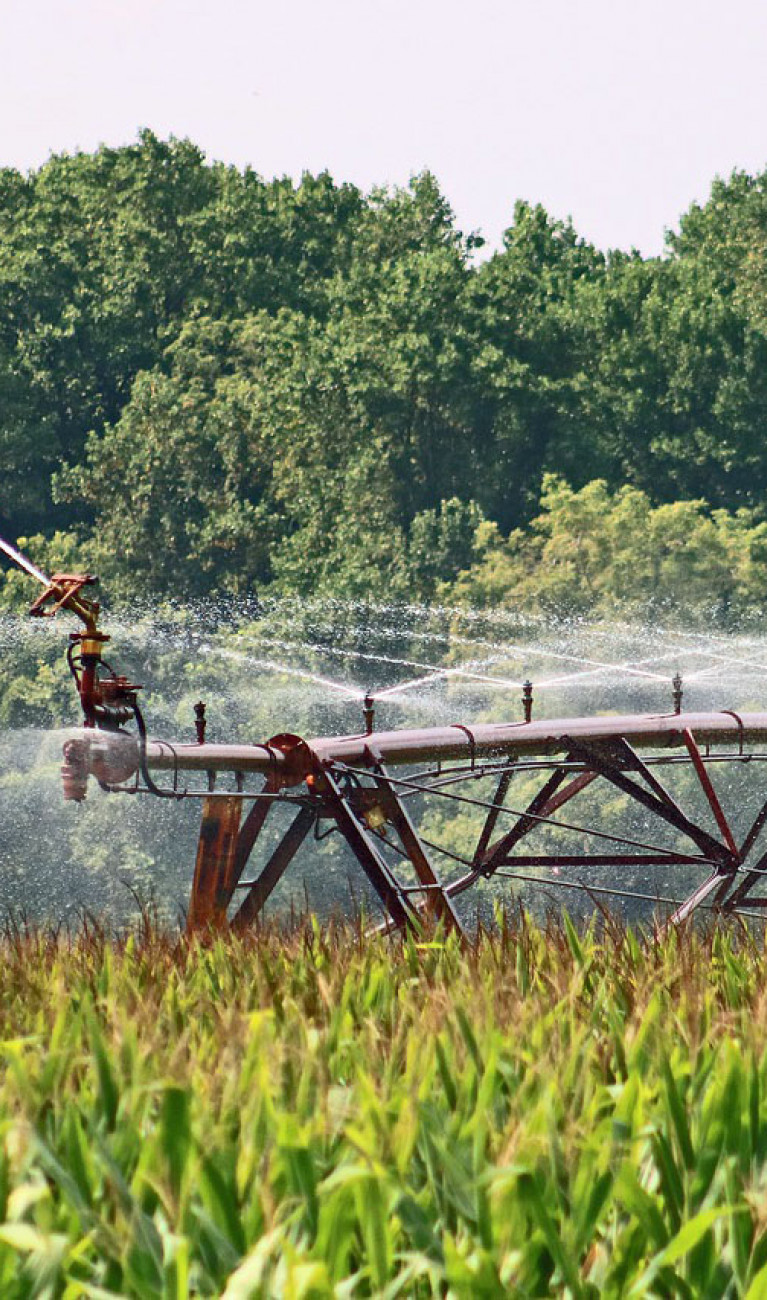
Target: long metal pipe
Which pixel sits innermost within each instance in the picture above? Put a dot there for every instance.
(484, 740)
(546, 736)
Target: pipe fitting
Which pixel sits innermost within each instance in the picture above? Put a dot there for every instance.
(75, 769)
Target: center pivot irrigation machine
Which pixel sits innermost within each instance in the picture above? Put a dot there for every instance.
(368, 786)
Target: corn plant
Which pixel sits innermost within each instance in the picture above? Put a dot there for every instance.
(557, 1112)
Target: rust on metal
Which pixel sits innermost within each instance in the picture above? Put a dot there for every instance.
(75, 769)
(213, 868)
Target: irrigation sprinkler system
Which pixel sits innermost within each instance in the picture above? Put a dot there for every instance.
(365, 787)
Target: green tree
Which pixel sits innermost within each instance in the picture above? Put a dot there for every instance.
(600, 551)
(103, 259)
(528, 363)
(278, 447)
(677, 387)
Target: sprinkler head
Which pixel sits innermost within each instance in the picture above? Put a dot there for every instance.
(200, 722)
(527, 700)
(369, 713)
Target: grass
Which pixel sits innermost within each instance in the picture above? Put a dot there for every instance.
(310, 1114)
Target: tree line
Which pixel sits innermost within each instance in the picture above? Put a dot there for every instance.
(210, 381)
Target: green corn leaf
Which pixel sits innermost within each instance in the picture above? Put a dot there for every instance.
(176, 1133)
(568, 1267)
(375, 1227)
(220, 1197)
(678, 1116)
(573, 941)
(758, 1286)
(680, 1245)
(108, 1091)
(445, 1072)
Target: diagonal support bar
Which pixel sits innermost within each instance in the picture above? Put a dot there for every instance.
(274, 870)
(626, 757)
(710, 793)
(491, 820)
(754, 832)
(547, 801)
(249, 832)
(753, 877)
(364, 848)
(601, 761)
(502, 847)
(572, 788)
(695, 899)
(437, 901)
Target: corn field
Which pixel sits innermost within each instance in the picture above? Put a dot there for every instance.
(313, 1114)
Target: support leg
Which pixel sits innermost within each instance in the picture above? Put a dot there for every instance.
(215, 852)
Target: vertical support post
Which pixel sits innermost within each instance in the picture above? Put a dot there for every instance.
(212, 872)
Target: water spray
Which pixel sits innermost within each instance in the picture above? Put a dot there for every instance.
(363, 787)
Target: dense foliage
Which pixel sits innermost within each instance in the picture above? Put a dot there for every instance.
(211, 381)
(312, 1116)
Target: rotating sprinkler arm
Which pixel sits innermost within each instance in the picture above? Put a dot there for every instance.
(62, 591)
(107, 700)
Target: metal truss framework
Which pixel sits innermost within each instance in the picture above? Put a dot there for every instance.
(370, 808)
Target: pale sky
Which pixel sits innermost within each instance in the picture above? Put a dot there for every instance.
(618, 114)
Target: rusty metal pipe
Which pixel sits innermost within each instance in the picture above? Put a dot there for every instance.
(544, 737)
(164, 757)
(549, 736)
